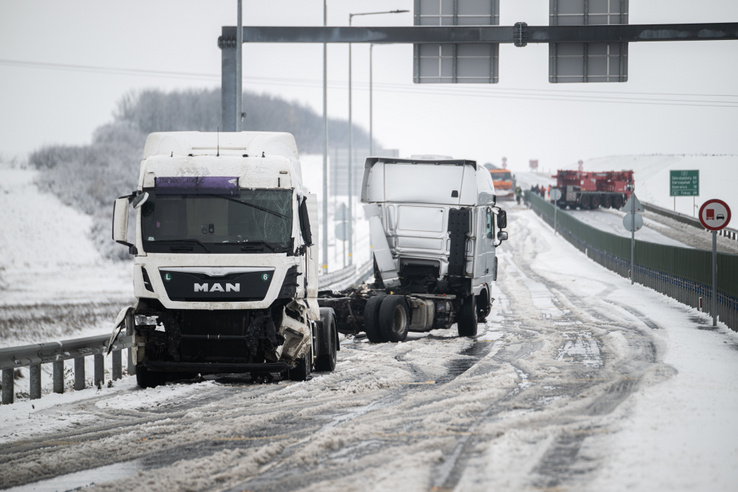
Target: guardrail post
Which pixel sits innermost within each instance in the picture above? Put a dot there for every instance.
(8, 390)
(58, 368)
(117, 365)
(79, 373)
(35, 383)
(131, 366)
(99, 370)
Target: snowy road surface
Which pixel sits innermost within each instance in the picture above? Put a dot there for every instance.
(577, 381)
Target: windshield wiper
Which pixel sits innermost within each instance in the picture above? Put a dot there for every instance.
(181, 245)
(253, 245)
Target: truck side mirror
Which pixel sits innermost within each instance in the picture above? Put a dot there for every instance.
(307, 234)
(120, 221)
(502, 220)
(502, 236)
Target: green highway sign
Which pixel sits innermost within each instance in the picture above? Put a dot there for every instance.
(684, 183)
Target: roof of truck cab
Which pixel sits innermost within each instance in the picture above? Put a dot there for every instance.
(443, 161)
(254, 156)
(433, 181)
(221, 143)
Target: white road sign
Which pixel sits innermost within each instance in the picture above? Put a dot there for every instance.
(714, 214)
(633, 222)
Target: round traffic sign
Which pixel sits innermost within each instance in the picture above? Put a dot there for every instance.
(714, 214)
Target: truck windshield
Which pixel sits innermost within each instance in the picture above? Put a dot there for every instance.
(502, 176)
(251, 221)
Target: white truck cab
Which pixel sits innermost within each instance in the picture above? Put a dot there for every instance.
(225, 269)
(434, 226)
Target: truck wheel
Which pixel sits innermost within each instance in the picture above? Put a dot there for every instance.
(371, 319)
(585, 202)
(467, 322)
(595, 201)
(394, 319)
(327, 362)
(617, 202)
(483, 310)
(301, 372)
(148, 379)
(607, 201)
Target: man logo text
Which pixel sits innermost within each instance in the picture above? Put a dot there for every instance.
(217, 287)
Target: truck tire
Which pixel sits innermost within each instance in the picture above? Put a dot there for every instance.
(607, 201)
(584, 202)
(301, 372)
(467, 321)
(595, 201)
(394, 319)
(483, 308)
(617, 202)
(326, 362)
(148, 379)
(371, 319)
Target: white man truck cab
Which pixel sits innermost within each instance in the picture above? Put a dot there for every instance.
(225, 269)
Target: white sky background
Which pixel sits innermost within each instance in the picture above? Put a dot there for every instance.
(523, 117)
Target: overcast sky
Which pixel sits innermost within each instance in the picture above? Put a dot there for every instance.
(65, 65)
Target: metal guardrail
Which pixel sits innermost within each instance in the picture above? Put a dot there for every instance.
(32, 356)
(55, 353)
(346, 277)
(686, 219)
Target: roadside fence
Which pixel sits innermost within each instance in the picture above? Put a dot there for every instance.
(684, 274)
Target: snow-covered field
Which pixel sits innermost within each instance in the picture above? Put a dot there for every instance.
(577, 381)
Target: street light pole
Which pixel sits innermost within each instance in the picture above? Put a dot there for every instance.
(371, 107)
(350, 234)
(325, 145)
(239, 67)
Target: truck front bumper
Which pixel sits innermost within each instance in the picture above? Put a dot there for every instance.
(216, 367)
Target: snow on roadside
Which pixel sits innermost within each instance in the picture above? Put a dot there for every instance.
(679, 431)
(48, 257)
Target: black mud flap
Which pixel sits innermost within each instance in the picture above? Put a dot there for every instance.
(458, 228)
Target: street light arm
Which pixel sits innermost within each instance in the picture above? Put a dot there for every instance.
(398, 11)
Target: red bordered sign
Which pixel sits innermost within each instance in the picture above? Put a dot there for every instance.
(714, 214)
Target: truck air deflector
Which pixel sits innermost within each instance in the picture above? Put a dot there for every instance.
(197, 185)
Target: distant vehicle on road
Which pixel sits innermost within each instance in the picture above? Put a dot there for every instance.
(590, 190)
(503, 181)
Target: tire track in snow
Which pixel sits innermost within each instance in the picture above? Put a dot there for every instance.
(593, 379)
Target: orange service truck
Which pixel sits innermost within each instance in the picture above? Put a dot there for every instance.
(503, 181)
